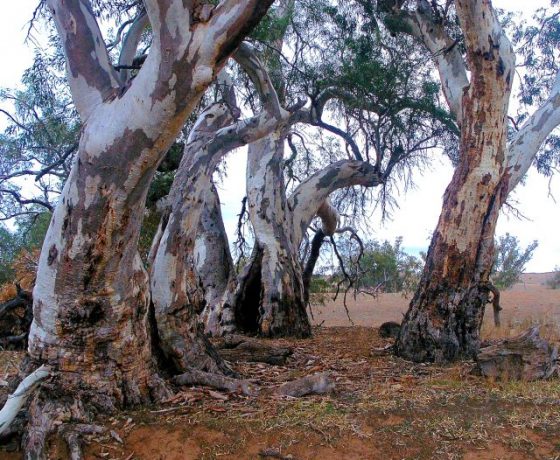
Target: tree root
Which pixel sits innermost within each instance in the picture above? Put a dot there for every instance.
(213, 380)
(17, 399)
(73, 435)
(320, 383)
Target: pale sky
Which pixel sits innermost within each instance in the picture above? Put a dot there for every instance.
(419, 208)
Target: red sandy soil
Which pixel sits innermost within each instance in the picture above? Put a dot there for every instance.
(382, 407)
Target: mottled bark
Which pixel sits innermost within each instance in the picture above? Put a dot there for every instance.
(270, 297)
(270, 293)
(184, 257)
(311, 195)
(177, 292)
(444, 318)
(91, 298)
(213, 261)
(445, 315)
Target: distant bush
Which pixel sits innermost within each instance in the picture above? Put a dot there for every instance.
(554, 282)
(384, 266)
(510, 260)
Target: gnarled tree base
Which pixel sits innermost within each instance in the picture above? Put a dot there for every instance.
(442, 325)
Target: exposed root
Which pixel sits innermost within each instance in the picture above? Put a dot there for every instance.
(16, 400)
(218, 381)
(73, 436)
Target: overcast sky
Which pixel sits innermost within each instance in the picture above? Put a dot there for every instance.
(419, 208)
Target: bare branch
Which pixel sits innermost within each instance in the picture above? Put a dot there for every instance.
(90, 73)
(451, 66)
(527, 141)
(130, 44)
(311, 194)
(251, 64)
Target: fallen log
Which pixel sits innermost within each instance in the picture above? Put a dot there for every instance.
(319, 384)
(526, 357)
(237, 348)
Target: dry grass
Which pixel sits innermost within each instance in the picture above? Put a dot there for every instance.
(547, 321)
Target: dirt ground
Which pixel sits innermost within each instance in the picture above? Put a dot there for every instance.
(382, 407)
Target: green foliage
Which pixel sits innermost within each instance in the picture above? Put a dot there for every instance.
(510, 260)
(39, 141)
(319, 285)
(384, 266)
(390, 266)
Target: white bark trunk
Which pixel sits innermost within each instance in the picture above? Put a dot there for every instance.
(177, 287)
(445, 315)
(91, 296)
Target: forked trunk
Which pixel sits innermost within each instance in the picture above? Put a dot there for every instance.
(213, 262)
(178, 293)
(91, 323)
(272, 283)
(269, 298)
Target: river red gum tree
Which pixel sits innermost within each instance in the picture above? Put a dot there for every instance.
(444, 318)
(91, 298)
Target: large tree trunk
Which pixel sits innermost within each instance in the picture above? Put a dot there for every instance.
(444, 318)
(91, 321)
(184, 275)
(271, 288)
(178, 294)
(270, 292)
(213, 261)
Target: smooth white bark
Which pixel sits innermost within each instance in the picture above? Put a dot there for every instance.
(19, 397)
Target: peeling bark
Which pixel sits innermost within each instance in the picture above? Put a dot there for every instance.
(91, 298)
(272, 286)
(444, 318)
(213, 261)
(445, 315)
(186, 257)
(275, 293)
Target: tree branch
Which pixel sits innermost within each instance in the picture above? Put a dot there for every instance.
(90, 73)
(527, 141)
(130, 45)
(311, 194)
(451, 67)
(246, 57)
